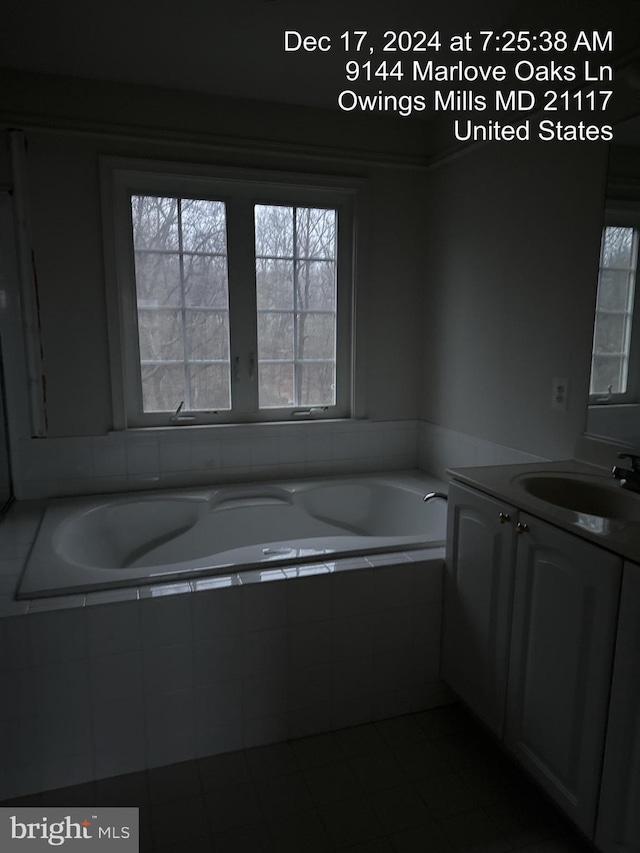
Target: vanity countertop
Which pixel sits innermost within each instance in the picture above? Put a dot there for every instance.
(505, 482)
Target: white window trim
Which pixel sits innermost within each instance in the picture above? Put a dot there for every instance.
(626, 215)
(121, 177)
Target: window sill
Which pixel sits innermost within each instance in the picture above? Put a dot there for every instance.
(614, 404)
(248, 427)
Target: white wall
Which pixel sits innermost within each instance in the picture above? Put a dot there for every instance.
(477, 278)
(5, 472)
(65, 217)
(616, 423)
(513, 243)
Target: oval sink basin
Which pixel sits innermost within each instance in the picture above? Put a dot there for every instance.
(583, 494)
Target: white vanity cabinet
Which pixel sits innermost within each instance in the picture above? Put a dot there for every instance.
(618, 828)
(478, 595)
(562, 639)
(529, 629)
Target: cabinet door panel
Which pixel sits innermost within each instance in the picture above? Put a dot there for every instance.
(565, 605)
(478, 594)
(618, 828)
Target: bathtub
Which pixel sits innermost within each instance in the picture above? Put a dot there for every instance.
(107, 542)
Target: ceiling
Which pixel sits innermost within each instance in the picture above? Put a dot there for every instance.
(235, 47)
(227, 47)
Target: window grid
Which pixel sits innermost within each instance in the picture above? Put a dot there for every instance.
(186, 362)
(296, 369)
(297, 258)
(620, 355)
(211, 260)
(183, 312)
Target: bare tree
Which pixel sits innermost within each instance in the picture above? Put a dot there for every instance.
(183, 303)
(296, 275)
(614, 307)
(182, 295)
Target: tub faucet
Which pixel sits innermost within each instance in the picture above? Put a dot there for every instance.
(629, 477)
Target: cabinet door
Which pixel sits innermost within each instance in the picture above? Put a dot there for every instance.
(565, 608)
(618, 829)
(478, 594)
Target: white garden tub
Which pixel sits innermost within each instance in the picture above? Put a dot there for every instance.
(103, 542)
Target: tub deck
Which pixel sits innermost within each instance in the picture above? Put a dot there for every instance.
(109, 542)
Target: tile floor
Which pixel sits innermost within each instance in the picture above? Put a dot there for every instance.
(431, 782)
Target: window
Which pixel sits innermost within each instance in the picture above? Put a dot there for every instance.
(296, 304)
(613, 378)
(231, 295)
(182, 302)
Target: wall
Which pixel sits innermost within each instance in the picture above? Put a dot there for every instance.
(617, 423)
(623, 161)
(465, 328)
(13, 385)
(6, 490)
(144, 459)
(441, 448)
(513, 244)
(63, 189)
(68, 125)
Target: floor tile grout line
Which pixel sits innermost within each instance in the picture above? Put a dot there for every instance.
(485, 758)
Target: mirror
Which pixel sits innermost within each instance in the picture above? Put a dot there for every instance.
(614, 401)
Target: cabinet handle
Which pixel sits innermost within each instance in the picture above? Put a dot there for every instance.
(522, 528)
(504, 516)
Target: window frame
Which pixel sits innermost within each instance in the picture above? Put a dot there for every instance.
(625, 216)
(241, 190)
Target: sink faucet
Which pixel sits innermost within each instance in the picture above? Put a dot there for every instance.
(629, 477)
(431, 495)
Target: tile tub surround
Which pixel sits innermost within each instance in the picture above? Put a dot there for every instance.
(190, 456)
(108, 683)
(440, 448)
